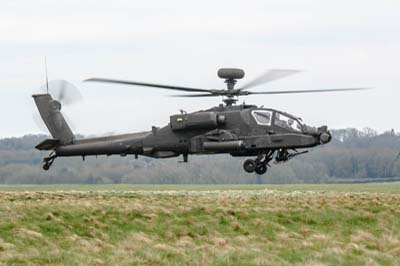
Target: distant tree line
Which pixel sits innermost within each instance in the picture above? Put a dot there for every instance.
(353, 155)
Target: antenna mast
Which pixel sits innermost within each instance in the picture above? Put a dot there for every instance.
(47, 80)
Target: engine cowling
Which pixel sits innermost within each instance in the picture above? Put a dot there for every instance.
(201, 120)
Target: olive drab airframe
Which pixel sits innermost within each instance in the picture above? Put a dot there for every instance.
(239, 130)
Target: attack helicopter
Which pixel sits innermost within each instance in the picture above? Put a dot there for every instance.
(243, 130)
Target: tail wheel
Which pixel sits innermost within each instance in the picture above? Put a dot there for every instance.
(249, 166)
(261, 169)
(48, 161)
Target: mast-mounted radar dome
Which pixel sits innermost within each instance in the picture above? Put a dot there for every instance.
(230, 73)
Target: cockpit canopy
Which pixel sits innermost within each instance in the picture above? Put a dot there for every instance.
(279, 119)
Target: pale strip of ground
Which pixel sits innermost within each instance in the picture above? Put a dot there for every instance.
(370, 187)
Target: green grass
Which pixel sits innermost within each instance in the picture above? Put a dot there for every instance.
(200, 225)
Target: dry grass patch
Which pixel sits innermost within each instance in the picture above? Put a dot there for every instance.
(208, 227)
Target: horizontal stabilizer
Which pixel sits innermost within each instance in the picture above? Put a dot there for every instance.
(48, 144)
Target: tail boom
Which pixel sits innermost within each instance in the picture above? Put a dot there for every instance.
(119, 144)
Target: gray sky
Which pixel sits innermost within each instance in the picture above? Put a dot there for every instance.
(337, 44)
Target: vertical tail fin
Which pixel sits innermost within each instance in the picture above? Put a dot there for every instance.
(50, 111)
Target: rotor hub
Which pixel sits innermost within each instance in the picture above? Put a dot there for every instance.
(231, 75)
(230, 83)
(230, 100)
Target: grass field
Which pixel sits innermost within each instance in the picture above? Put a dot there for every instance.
(200, 225)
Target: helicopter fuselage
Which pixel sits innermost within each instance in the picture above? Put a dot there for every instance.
(238, 130)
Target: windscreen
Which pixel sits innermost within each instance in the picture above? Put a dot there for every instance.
(262, 117)
(287, 122)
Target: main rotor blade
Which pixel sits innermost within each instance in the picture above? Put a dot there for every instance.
(196, 95)
(160, 86)
(302, 91)
(270, 75)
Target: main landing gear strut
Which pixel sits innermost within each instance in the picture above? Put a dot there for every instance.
(48, 161)
(261, 163)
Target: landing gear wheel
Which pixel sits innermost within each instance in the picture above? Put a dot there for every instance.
(261, 169)
(48, 161)
(46, 166)
(249, 166)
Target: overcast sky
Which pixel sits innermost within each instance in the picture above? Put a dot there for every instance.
(342, 43)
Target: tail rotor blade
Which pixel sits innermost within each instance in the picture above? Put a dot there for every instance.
(63, 91)
(69, 122)
(40, 125)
